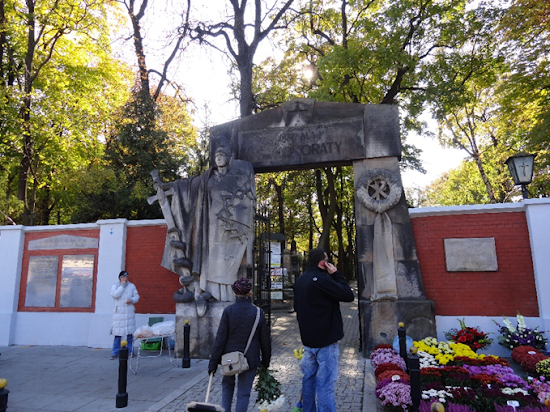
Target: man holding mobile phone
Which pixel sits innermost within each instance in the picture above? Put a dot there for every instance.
(317, 296)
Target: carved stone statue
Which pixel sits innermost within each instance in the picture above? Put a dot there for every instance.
(210, 235)
(379, 190)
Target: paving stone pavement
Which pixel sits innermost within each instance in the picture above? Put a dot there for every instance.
(285, 338)
(82, 379)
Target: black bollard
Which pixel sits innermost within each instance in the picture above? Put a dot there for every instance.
(3, 395)
(402, 335)
(122, 395)
(414, 373)
(186, 361)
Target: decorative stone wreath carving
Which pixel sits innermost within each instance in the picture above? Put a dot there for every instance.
(379, 190)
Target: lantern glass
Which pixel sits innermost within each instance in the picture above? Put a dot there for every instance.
(521, 168)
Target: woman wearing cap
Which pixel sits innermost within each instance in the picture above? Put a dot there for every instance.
(235, 326)
(125, 295)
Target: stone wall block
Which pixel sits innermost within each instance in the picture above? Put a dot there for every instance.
(409, 281)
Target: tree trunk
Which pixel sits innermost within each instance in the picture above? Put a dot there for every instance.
(246, 102)
(327, 212)
(28, 143)
(485, 179)
(280, 206)
(140, 53)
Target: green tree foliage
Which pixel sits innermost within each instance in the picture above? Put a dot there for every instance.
(145, 137)
(59, 85)
(464, 185)
(526, 99)
(313, 208)
(491, 98)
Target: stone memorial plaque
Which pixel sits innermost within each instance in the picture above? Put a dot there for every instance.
(77, 276)
(471, 255)
(41, 281)
(64, 242)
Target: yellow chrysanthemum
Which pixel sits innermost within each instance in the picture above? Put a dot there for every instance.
(299, 353)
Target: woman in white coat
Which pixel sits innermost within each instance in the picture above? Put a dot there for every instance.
(125, 295)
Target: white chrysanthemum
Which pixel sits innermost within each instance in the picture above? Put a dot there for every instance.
(271, 406)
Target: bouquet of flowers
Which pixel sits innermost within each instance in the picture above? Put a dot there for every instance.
(521, 335)
(543, 368)
(528, 357)
(269, 391)
(472, 337)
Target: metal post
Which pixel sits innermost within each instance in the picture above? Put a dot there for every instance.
(186, 361)
(402, 335)
(414, 373)
(524, 192)
(122, 395)
(3, 395)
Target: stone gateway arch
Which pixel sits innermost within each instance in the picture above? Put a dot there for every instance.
(304, 134)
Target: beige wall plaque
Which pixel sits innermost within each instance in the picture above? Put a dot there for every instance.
(471, 255)
(64, 242)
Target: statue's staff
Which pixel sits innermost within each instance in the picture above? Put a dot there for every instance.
(174, 233)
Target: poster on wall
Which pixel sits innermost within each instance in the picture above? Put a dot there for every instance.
(41, 281)
(275, 254)
(77, 273)
(277, 294)
(276, 279)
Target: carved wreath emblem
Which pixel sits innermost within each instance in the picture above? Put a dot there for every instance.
(379, 190)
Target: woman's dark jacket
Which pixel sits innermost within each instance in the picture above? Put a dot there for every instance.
(317, 297)
(235, 327)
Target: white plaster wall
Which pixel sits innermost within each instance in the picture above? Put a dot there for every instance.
(466, 209)
(538, 221)
(11, 252)
(64, 328)
(111, 260)
(52, 328)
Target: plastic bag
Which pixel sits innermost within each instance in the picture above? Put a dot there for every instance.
(144, 332)
(164, 328)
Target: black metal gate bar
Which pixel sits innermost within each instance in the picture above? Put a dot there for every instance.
(261, 276)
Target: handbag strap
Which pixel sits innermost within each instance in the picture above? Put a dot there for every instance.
(253, 329)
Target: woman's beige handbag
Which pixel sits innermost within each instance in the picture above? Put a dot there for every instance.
(235, 362)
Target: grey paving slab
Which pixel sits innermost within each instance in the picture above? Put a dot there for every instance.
(80, 379)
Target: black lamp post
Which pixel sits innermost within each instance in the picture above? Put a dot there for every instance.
(521, 169)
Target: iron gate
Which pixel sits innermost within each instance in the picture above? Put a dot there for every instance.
(261, 276)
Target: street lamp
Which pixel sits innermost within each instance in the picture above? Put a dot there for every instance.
(521, 169)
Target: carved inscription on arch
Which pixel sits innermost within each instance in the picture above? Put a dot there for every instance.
(323, 148)
(314, 143)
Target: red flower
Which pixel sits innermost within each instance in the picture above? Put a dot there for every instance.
(462, 339)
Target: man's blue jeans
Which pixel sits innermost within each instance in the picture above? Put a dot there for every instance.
(320, 369)
(116, 345)
(244, 387)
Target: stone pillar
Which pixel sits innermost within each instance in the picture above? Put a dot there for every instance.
(203, 328)
(537, 212)
(12, 239)
(390, 284)
(110, 261)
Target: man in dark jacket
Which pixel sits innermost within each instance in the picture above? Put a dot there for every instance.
(317, 296)
(233, 333)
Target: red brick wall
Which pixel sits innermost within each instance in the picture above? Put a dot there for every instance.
(156, 285)
(504, 292)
